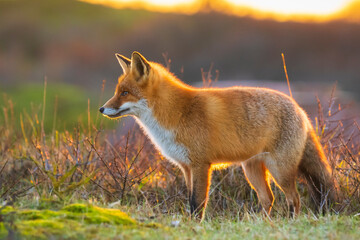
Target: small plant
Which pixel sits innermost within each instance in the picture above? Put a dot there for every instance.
(122, 167)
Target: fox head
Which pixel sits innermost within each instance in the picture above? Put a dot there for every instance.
(130, 93)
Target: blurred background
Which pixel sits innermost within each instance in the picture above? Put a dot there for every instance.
(72, 44)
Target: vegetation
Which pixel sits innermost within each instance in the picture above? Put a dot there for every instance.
(45, 172)
(93, 223)
(65, 105)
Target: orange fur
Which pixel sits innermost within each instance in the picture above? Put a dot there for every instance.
(197, 129)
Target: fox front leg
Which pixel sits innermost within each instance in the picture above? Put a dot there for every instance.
(187, 175)
(201, 179)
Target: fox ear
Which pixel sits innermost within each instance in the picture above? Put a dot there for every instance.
(124, 62)
(139, 64)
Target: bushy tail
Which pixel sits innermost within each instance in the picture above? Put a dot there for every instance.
(315, 169)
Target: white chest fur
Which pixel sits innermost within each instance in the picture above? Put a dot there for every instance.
(163, 139)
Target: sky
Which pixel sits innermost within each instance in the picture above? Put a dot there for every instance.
(292, 6)
(306, 7)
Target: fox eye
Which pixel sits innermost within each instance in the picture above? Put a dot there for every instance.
(124, 93)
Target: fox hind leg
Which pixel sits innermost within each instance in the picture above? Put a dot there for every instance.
(285, 178)
(292, 196)
(257, 176)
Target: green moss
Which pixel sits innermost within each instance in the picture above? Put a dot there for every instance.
(44, 229)
(7, 210)
(47, 203)
(43, 223)
(97, 215)
(73, 221)
(78, 208)
(152, 225)
(37, 214)
(114, 215)
(3, 231)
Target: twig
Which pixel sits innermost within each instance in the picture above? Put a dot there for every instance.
(286, 74)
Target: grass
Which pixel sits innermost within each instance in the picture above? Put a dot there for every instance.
(65, 105)
(82, 221)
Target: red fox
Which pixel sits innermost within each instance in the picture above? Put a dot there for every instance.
(198, 128)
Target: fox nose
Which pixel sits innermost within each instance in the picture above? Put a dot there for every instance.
(101, 109)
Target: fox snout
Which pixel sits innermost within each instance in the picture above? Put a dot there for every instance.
(116, 112)
(112, 112)
(111, 108)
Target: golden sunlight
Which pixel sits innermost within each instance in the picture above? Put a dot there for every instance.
(283, 10)
(161, 2)
(181, 6)
(219, 166)
(318, 7)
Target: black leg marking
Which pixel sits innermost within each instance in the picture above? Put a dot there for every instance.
(193, 205)
(292, 211)
(259, 209)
